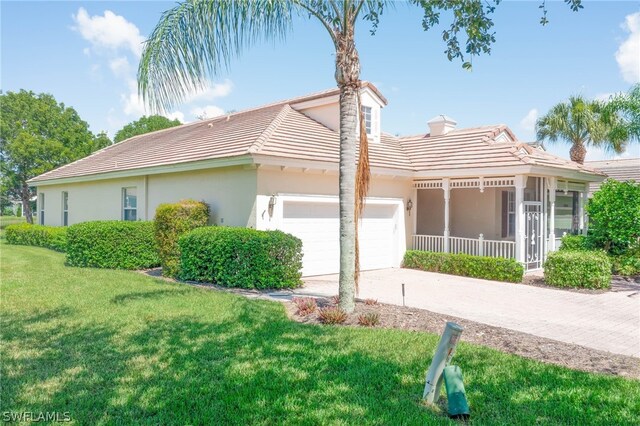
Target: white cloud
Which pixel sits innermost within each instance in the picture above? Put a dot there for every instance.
(120, 66)
(528, 123)
(179, 115)
(208, 111)
(628, 54)
(109, 31)
(211, 92)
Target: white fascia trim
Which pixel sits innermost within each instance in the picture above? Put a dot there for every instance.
(328, 100)
(582, 176)
(155, 170)
(474, 172)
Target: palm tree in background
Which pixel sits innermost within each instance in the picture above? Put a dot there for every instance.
(197, 39)
(580, 122)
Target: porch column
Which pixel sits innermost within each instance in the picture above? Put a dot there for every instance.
(447, 192)
(520, 184)
(553, 186)
(414, 220)
(584, 198)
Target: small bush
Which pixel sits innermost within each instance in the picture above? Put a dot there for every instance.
(574, 243)
(332, 315)
(305, 305)
(241, 257)
(112, 244)
(370, 302)
(488, 268)
(628, 263)
(584, 269)
(172, 221)
(335, 299)
(370, 319)
(25, 234)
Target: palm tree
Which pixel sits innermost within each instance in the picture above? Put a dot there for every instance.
(622, 113)
(197, 38)
(580, 122)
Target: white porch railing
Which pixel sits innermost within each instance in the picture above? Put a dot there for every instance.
(473, 246)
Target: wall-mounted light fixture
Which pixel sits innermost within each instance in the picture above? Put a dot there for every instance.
(409, 206)
(272, 204)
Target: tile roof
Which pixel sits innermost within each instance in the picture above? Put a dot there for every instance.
(279, 130)
(622, 170)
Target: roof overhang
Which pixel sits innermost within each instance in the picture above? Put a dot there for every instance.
(155, 170)
(557, 172)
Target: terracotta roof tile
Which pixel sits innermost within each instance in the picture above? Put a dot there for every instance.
(279, 130)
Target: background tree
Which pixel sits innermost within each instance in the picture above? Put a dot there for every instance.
(580, 122)
(622, 113)
(144, 125)
(38, 134)
(196, 39)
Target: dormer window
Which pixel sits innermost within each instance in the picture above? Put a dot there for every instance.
(367, 113)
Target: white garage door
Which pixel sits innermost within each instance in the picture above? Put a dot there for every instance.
(317, 225)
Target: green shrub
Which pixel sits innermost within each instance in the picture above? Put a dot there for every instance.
(241, 257)
(112, 244)
(172, 221)
(628, 263)
(574, 243)
(25, 234)
(614, 216)
(584, 269)
(488, 268)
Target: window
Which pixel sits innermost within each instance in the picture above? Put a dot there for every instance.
(366, 112)
(65, 208)
(41, 208)
(508, 214)
(129, 204)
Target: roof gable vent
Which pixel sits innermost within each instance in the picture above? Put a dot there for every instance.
(441, 125)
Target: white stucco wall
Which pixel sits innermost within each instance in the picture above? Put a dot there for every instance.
(98, 200)
(230, 193)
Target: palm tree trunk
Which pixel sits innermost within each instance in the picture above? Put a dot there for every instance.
(348, 79)
(578, 152)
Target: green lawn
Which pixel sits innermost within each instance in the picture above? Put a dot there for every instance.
(10, 220)
(120, 347)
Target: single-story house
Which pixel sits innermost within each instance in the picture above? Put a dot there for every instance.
(478, 190)
(623, 169)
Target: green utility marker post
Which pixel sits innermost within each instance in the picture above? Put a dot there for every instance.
(458, 407)
(444, 352)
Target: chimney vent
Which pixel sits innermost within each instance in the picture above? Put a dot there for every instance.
(441, 125)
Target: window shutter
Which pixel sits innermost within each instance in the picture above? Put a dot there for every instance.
(505, 213)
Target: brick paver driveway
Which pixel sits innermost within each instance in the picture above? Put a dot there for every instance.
(608, 321)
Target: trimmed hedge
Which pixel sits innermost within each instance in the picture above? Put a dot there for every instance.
(51, 237)
(112, 244)
(241, 257)
(488, 268)
(584, 269)
(574, 243)
(172, 221)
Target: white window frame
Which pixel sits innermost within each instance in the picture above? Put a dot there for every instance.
(511, 213)
(126, 208)
(41, 202)
(65, 208)
(367, 114)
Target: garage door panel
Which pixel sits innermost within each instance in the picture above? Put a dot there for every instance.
(317, 225)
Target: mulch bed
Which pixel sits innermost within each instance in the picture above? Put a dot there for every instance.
(618, 283)
(526, 345)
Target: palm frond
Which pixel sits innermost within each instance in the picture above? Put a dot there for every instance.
(196, 39)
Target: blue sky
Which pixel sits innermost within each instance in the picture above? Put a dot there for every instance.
(86, 55)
